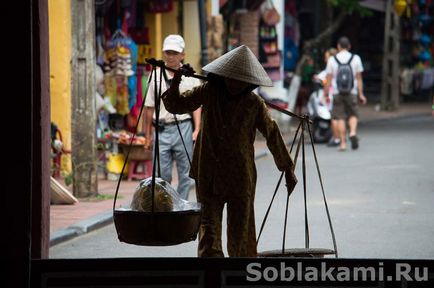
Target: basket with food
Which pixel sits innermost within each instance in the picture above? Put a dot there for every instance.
(137, 151)
(157, 220)
(137, 148)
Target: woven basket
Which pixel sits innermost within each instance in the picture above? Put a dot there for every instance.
(158, 228)
(137, 153)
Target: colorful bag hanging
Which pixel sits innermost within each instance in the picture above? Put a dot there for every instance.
(270, 16)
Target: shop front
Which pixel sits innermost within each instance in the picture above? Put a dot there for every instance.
(416, 51)
(126, 33)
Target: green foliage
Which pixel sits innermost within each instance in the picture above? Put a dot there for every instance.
(350, 7)
(68, 179)
(100, 146)
(107, 197)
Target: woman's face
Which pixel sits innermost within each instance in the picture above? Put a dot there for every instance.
(235, 87)
(173, 59)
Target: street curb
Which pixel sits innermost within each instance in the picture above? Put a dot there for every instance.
(363, 122)
(106, 217)
(62, 235)
(81, 227)
(100, 220)
(392, 118)
(93, 223)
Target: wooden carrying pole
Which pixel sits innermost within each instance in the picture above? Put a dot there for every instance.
(160, 63)
(304, 126)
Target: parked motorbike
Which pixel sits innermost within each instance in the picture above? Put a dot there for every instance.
(319, 112)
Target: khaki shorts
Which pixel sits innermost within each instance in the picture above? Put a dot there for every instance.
(345, 106)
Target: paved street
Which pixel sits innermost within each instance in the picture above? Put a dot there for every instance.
(381, 199)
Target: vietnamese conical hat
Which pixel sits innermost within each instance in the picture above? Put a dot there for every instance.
(240, 64)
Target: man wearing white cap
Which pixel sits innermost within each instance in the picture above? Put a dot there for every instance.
(223, 159)
(170, 143)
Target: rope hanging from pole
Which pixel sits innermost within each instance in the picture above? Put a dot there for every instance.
(155, 227)
(304, 126)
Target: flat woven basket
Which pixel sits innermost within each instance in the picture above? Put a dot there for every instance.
(137, 153)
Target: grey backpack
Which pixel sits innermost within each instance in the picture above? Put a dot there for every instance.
(344, 77)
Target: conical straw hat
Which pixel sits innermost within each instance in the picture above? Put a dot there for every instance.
(240, 64)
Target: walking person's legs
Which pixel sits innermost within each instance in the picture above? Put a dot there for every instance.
(352, 124)
(339, 116)
(341, 127)
(180, 156)
(166, 160)
(353, 121)
(335, 140)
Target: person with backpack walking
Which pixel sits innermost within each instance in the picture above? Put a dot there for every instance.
(344, 73)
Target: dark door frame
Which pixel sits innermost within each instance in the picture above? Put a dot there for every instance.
(27, 208)
(26, 203)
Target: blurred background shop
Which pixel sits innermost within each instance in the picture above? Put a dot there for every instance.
(98, 50)
(98, 73)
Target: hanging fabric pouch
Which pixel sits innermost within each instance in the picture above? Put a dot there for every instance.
(270, 16)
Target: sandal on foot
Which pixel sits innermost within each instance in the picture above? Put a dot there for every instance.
(354, 142)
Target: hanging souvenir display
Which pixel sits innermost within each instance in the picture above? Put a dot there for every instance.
(416, 50)
(270, 16)
(117, 59)
(269, 54)
(292, 36)
(120, 60)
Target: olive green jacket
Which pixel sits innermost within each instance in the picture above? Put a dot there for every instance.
(224, 155)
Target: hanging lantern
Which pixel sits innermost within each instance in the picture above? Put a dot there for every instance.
(400, 6)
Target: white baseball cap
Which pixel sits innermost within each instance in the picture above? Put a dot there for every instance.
(174, 43)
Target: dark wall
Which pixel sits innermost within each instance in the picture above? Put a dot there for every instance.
(27, 150)
(16, 190)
